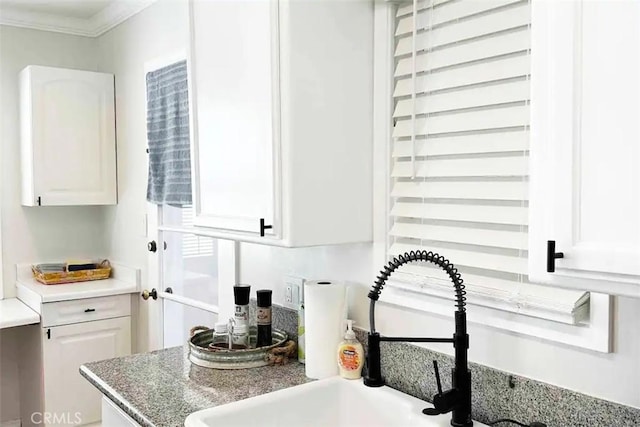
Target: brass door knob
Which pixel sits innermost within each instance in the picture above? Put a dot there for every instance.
(153, 294)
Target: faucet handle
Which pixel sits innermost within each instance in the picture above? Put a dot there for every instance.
(437, 372)
(443, 402)
(435, 411)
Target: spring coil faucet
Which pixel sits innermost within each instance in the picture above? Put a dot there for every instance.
(458, 399)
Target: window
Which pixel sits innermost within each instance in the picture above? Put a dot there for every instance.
(457, 164)
(194, 245)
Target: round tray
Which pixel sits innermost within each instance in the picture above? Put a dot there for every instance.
(202, 355)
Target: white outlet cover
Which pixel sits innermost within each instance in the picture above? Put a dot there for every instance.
(296, 284)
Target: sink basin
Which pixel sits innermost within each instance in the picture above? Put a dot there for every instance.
(333, 402)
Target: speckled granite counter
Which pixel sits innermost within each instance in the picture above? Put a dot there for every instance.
(161, 388)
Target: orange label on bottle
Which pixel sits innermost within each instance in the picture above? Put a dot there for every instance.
(349, 358)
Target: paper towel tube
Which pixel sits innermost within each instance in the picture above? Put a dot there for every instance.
(325, 310)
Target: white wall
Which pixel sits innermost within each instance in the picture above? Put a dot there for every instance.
(158, 31)
(44, 233)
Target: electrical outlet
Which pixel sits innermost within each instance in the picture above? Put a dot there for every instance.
(288, 294)
(293, 291)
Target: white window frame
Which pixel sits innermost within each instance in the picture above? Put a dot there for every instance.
(594, 336)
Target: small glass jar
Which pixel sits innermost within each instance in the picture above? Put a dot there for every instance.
(220, 335)
(240, 337)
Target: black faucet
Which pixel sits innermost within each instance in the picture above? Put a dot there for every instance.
(458, 398)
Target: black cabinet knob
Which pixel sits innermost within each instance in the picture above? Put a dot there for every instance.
(264, 227)
(552, 256)
(152, 246)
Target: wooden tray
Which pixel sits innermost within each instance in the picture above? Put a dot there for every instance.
(59, 277)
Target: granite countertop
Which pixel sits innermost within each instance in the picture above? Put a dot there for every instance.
(161, 388)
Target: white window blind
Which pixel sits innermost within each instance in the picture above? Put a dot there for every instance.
(459, 166)
(193, 245)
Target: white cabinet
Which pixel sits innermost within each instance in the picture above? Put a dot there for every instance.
(68, 146)
(585, 145)
(50, 381)
(112, 416)
(281, 98)
(65, 348)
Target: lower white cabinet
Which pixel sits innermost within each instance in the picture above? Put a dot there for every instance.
(112, 416)
(53, 392)
(65, 348)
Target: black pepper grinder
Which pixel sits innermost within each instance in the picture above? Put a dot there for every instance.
(264, 317)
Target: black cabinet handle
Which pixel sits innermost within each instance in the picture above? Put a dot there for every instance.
(90, 310)
(264, 227)
(552, 256)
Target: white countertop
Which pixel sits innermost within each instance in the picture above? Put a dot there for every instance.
(71, 291)
(14, 313)
(124, 280)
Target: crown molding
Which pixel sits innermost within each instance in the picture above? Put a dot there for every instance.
(98, 24)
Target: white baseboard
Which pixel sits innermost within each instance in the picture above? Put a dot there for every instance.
(10, 423)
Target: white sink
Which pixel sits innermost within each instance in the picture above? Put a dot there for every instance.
(333, 402)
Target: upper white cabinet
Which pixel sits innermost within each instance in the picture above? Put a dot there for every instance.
(282, 120)
(68, 141)
(585, 148)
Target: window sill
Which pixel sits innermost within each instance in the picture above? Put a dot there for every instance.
(594, 335)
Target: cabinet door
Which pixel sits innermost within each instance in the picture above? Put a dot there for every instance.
(72, 140)
(65, 348)
(112, 416)
(586, 144)
(234, 91)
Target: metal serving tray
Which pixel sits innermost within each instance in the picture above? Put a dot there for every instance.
(201, 354)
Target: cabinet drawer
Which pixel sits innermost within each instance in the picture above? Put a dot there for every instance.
(85, 310)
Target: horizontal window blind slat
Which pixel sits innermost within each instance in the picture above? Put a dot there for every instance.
(474, 167)
(475, 73)
(482, 49)
(408, 9)
(520, 291)
(476, 284)
(494, 118)
(512, 215)
(464, 235)
(487, 261)
(501, 20)
(507, 92)
(499, 142)
(462, 190)
(430, 17)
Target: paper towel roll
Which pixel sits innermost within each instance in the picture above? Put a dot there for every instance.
(324, 316)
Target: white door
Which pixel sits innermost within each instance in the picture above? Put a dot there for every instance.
(234, 91)
(65, 348)
(190, 273)
(586, 144)
(188, 270)
(73, 137)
